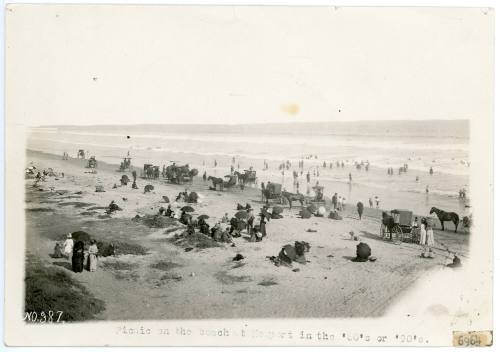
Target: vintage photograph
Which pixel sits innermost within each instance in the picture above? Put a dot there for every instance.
(228, 162)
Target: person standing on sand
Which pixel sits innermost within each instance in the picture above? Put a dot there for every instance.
(360, 207)
(343, 203)
(423, 233)
(93, 256)
(78, 257)
(250, 220)
(68, 246)
(429, 232)
(262, 225)
(370, 201)
(335, 200)
(377, 201)
(205, 176)
(308, 177)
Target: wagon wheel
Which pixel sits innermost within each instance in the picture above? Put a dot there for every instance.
(397, 234)
(382, 231)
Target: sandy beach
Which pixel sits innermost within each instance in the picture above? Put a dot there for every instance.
(164, 281)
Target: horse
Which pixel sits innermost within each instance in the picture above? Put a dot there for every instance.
(290, 197)
(389, 223)
(217, 181)
(446, 216)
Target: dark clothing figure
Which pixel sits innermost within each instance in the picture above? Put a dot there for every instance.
(204, 227)
(205, 176)
(169, 211)
(250, 223)
(263, 226)
(360, 207)
(77, 258)
(185, 218)
(335, 201)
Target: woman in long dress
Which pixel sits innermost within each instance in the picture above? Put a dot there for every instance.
(430, 232)
(93, 256)
(423, 232)
(78, 257)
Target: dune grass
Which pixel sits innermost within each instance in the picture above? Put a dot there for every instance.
(52, 289)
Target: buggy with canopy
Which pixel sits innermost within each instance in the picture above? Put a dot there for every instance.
(399, 224)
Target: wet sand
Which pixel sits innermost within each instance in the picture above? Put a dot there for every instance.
(169, 283)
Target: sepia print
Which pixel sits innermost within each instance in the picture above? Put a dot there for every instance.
(233, 175)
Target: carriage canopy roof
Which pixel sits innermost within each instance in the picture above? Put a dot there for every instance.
(405, 216)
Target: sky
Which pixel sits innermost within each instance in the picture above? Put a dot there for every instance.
(83, 65)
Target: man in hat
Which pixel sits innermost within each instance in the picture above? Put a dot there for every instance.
(68, 246)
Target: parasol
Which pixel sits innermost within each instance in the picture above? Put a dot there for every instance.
(187, 209)
(204, 217)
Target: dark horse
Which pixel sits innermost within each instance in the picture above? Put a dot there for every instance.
(290, 197)
(217, 181)
(446, 216)
(389, 223)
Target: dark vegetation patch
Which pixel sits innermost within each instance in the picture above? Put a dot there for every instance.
(120, 247)
(76, 204)
(196, 240)
(156, 221)
(122, 270)
(39, 210)
(173, 229)
(97, 208)
(52, 289)
(268, 282)
(171, 276)
(228, 279)
(238, 265)
(117, 265)
(165, 265)
(89, 213)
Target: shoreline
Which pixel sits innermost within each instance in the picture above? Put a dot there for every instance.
(164, 283)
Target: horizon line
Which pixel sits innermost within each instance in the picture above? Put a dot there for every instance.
(247, 123)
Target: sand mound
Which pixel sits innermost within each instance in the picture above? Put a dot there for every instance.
(156, 221)
(197, 240)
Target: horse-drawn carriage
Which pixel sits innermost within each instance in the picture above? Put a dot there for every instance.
(151, 171)
(179, 174)
(398, 226)
(247, 177)
(273, 192)
(229, 181)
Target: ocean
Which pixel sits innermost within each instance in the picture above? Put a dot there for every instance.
(442, 145)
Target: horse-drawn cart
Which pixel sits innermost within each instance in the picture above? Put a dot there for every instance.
(272, 192)
(397, 226)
